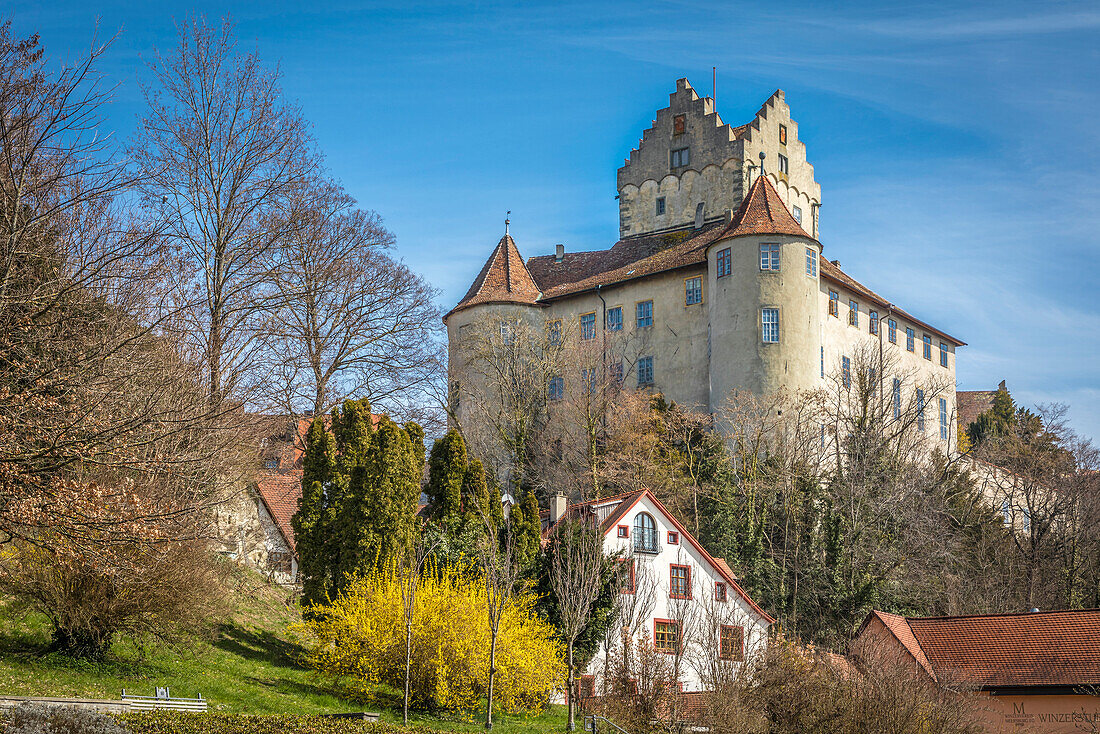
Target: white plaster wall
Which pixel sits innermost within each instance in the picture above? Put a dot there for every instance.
(703, 577)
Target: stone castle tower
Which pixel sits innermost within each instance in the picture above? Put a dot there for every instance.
(690, 166)
(717, 282)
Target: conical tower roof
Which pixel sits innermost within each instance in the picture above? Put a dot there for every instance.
(763, 212)
(503, 279)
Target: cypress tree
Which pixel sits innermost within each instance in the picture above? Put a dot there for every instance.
(527, 526)
(475, 489)
(352, 431)
(310, 522)
(446, 473)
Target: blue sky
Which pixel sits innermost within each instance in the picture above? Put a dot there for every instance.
(956, 145)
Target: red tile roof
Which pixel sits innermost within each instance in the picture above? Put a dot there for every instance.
(972, 403)
(280, 493)
(763, 212)
(503, 279)
(899, 628)
(1059, 648)
(831, 271)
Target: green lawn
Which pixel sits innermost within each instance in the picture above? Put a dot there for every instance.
(249, 664)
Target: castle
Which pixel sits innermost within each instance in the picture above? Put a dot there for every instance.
(718, 281)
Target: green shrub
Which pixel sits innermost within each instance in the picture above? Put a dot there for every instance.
(178, 722)
(39, 718)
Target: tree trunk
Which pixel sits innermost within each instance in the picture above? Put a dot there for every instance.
(408, 668)
(570, 691)
(492, 678)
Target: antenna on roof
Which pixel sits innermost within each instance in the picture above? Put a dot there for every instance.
(507, 221)
(714, 85)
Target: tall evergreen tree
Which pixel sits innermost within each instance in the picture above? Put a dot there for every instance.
(312, 520)
(527, 527)
(446, 473)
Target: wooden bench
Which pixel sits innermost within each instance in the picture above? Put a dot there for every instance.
(163, 701)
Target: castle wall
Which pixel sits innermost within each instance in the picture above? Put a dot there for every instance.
(677, 340)
(840, 339)
(740, 359)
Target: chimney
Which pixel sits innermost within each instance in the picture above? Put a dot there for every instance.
(729, 216)
(557, 507)
(837, 263)
(559, 252)
(699, 215)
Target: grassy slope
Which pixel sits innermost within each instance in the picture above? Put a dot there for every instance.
(248, 665)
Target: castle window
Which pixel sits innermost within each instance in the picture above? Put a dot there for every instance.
(693, 290)
(873, 322)
(853, 313)
(846, 372)
(769, 321)
(909, 338)
(553, 332)
(660, 205)
(811, 262)
(823, 362)
(797, 212)
(897, 398)
(679, 581)
(834, 304)
(731, 643)
(271, 463)
(782, 134)
(507, 332)
(928, 347)
(615, 369)
(769, 257)
(943, 354)
(645, 371)
(892, 331)
(643, 314)
(681, 157)
(588, 325)
(679, 124)
(588, 379)
(557, 388)
(720, 591)
(615, 319)
(920, 410)
(943, 419)
(723, 263)
(783, 165)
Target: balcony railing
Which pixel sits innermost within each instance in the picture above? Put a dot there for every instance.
(645, 540)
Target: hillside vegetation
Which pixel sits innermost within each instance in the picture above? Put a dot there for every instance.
(249, 663)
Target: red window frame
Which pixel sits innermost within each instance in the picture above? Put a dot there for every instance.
(687, 581)
(740, 656)
(676, 645)
(673, 537)
(721, 593)
(623, 531)
(586, 686)
(623, 588)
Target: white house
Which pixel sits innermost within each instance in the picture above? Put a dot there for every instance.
(683, 601)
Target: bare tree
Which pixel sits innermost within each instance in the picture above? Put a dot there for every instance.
(411, 569)
(352, 320)
(222, 156)
(576, 575)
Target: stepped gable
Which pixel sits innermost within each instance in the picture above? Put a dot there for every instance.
(628, 259)
(503, 279)
(763, 212)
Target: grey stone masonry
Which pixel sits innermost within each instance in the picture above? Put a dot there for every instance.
(690, 166)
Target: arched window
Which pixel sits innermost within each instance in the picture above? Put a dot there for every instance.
(645, 533)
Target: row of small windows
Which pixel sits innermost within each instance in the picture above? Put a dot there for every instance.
(770, 260)
(873, 326)
(895, 396)
(556, 388)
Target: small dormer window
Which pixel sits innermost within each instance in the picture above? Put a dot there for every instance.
(680, 157)
(271, 464)
(679, 124)
(782, 134)
(660, 205)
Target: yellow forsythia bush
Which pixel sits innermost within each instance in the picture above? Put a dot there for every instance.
(360, 639)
